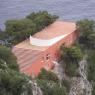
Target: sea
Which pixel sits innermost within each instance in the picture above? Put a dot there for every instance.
(69, 10)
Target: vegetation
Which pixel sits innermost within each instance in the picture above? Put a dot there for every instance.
(23, 28)
(91, 67)
(7, 57)
(51, 88)
(48, 75)
(71, 56)
(93, 91)
(87, 39)
(11, 81)
(42, 19)
(87, 34)
(71, 70)
(50, 84)
(3, 35)
(67, 85)
(20, 29)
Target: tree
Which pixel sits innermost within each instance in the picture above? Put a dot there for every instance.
(23, 28)
(85, 26)
(93, 91)
(11, 81)
(91, 70)
(7, 57)
(48, 75)
(20, 29)
(3, 35)
(51, 88)
(18, 25)
(91, 66)
(14, 83)
(57, 90)
(71, 54)
(91, 41)
(66, 84)
(86, 29)
(43, 18)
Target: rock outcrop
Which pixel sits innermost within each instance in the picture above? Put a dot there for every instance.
(80, 85)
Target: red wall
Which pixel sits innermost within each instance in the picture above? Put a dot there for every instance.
(37, 65)
(54, 55)
(55, 49)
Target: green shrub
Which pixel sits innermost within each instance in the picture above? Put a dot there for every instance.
(72, 54)
(51, 88)
(6, 56)
(14, 83)
(91, 66)
(71, 69)
(48, 75)
(66, 84)
(93, 91)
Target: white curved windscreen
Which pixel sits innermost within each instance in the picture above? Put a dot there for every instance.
(41, 42)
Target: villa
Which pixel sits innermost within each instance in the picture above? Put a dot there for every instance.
(42, 49)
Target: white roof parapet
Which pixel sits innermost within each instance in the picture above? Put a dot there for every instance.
(42, 42)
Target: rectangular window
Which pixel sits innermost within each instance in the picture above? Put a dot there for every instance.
(47, 57)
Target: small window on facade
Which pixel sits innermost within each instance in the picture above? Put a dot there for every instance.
(47, 56)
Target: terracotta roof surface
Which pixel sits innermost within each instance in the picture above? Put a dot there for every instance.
(58, 28)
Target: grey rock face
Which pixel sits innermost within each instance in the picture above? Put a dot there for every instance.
(81, 85)
(36, 90)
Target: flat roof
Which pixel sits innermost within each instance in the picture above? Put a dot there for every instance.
(56, 29)
(26, 45)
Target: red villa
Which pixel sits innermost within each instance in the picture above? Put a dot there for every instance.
(42, 49)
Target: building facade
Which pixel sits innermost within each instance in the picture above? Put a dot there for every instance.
(42, 50)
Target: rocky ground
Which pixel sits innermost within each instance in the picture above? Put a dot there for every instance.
(80, 85)
(58, 70)
(35, 88)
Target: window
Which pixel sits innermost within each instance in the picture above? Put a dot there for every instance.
(47, 56)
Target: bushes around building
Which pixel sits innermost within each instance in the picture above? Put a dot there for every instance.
(66, 84)
(48, 75)
(87, 39)
(50, 84)
(91, 70)
(12, 82)
(91, 66)
(51, 88)
(33, 23)
(86, 30)
(8, 58)
(71, 56)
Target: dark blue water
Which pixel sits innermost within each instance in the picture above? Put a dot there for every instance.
(66, 9)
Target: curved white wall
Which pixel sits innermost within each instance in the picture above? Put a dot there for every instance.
(41, 42)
